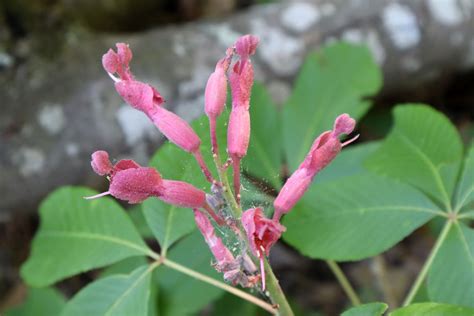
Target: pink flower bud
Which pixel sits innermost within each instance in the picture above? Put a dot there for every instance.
(128, 180)
(101, 163)
(216, 92)
(221, 253)
(293, 190)
(175, 129)
(262, 233)
(246, 45)
(139, 95)
(118, 62)
(181, 194)
(323, 150)
(238, 132)
(241, 85)
(135, 185)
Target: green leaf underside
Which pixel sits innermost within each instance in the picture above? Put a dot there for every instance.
(264, 154)
(40, 302)
(433, 309)
(125, 266)
(465, 190)
(423, 149)
(356, 217)
(451, 277)
(371, 309)
(179, 293)
(114, 296)
(348, 163)
(168, 223)
(78, 235)
(231, 305)
(331, 82)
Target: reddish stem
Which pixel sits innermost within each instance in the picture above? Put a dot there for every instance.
(236, 167)
(212, 127)
(213, 214)
(204, 168)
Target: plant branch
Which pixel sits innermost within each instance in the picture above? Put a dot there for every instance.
(429, 261)
(276, 293)
(204, 278)
(344, 282)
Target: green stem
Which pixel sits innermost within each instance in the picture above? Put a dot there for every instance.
(429, 261)
(226, 187)
(204, 278)
(344, 282)
(276, 294)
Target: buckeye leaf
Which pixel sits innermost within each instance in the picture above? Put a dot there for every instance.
(349, 162)
(423, 149)
(264, 155)
(331, 82)
(433, 309)
(465, 190)
(168, 222)
(118, 295)
(40, 302)
(371, 309)
(356, 217)
(179, 293)
(451, 277)
(77, 235)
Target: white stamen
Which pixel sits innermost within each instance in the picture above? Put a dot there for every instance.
(97, 195)
(115, 79)
(350, 140)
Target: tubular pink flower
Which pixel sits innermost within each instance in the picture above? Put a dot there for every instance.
(139, 95)
(147, 99)
(238, 136)
(222, 255)
(101, 163)
(128, 180)
(323, 150)
(262, 234)
(181, 194)
(241, 81)
(135, 185)
(175, 129)
(215, 96)
(216, 91)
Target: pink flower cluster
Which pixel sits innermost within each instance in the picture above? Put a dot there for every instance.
(133, 183)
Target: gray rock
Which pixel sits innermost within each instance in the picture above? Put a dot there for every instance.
(55, 113)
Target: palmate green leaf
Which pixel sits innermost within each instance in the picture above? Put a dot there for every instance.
(465, 189)
(167, 222)
(371, 309)
(348, 163)
(77, 235)
(433, 309)
(124, 266)
(355, 217)
(117, 295)
(231, 305)
(40, 302)
(264, 156)
(423, 149)
(451, 277)
(331, 82)
(179, 293)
